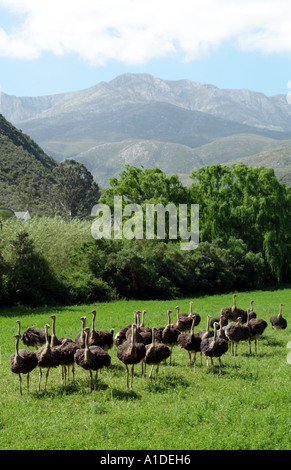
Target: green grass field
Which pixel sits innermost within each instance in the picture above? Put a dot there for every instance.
(247, 408)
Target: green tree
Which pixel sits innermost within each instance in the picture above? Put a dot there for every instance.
(145, 185)
(249, 204)
(75, 192)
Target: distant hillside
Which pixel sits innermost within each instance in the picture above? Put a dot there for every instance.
(143, 120)
(278, 158)
(25, 171)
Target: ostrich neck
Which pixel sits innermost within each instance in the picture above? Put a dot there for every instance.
(215, 333)
(93, 322)
(17, 349)
(54, 327)
(87, 350)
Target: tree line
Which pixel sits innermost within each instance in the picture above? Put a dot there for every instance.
(244, 222)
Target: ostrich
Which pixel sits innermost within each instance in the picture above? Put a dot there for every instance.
(220, 320)
(143, 334)
(80, 338)
(277, 321)
(206, 333)
(222, 326)
(158, 333)
(226, 312)
(197, 315)
(214, 347)
(101, 338)
(67, 350)
(47, 357)
(142, 327)
(54, 340)
(190, 315)
(236, 332)
(233, 313)
(170, 335)
(120, 336)
(155, 354)
(145, 331)
(251, 312)
(32, 337)
(257, 327)
(183, 322)
(238, 312)
(130, 353)
(22, 361)
(92, 358)
(190, 342)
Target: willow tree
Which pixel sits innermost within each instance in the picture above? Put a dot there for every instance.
(247, 203)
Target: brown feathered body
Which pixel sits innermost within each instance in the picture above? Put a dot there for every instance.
(277, 321)
(155, 354)
(93, 358)
(234, 312)
(257, 327)
(237, 332)
(48, 357)
(101, 338)
(120, 336)
(67, 351)
(182, 322)
(158, 333)
(130, 353)
(33, 337)
(220, 320)
(22, 361)
(191, 342)
(214, 347)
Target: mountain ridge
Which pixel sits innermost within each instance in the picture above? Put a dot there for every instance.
(166, 116)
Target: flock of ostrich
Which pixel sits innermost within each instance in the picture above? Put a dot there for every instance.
(136, 343)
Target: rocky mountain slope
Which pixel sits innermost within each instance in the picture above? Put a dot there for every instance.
(141, 119)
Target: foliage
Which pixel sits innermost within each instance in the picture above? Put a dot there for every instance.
(25, 172)
(244, 243)
(75, 191)
(249, 204)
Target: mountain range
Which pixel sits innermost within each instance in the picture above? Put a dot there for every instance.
(143, 120)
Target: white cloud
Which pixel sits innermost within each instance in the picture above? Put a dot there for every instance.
(135, 31)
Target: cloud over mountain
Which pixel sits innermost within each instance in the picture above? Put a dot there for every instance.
(136, 31)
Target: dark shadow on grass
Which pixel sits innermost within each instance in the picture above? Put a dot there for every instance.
(124, 395)
(166, 383)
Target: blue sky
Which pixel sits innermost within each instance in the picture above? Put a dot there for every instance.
(64, 45)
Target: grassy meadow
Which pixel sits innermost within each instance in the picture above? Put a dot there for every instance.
(248, 407)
